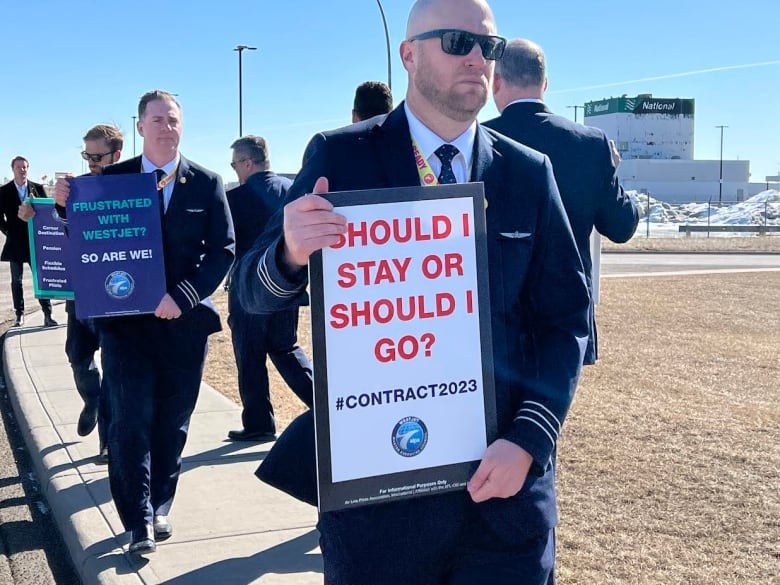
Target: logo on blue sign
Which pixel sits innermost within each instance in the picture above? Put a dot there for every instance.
(410, 436)
(119, 285)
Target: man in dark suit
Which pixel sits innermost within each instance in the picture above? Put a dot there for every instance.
(500, 529)
(252, 203)
(102, 147)
(14, 212)
(582, 157)
(154, 362)
(372, 98)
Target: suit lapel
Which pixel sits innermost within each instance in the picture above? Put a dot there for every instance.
(393, 146)
(482, 168)
(183, 174)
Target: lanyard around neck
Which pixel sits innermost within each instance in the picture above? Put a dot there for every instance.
(167, 178)
(427, 176)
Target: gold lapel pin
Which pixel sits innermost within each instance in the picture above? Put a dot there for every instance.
(182, 180)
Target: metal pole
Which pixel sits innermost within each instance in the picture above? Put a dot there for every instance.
(387, 40)
(575, 110)
(240, 98)
(720, 182)
(240, 49)
(134, 133)
(648, 216)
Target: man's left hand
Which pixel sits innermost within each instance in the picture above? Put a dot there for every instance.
(501, 473)
(26, 212)
(167, 309)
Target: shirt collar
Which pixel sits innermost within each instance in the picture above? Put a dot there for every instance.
(526, 101)
(429, 141)
(149, 167)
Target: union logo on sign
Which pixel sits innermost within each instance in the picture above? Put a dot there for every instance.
(119, 285)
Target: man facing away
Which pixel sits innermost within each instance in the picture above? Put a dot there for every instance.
(153, 363)
(372, 98)
(258, 197)
(582, 157)
(500, 530)
(14, 213)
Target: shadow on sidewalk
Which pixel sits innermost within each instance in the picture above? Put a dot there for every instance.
(293, 556)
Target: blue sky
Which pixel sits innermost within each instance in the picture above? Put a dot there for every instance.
(67, 65)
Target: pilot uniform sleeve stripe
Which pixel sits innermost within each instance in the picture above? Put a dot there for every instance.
(537, 415)
(268, 282)
(539, 425)
(189, 292)
(527, 403)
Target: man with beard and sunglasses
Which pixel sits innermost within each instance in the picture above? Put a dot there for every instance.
(500, 529)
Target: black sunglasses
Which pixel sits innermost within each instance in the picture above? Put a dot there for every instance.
(95, 157)
(460, 42)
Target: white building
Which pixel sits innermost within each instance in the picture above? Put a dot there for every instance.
(655, 139)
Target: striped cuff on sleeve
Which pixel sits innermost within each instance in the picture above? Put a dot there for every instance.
(273, 281)
(537, 414)
(185, 295)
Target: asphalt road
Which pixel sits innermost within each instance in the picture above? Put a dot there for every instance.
(614, 263)
(31, 550)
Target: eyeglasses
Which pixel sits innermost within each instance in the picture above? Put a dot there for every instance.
(95, 157)
(235, 162)
(460, 42)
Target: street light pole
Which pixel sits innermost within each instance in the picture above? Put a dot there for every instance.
(134, 131)
(240, 49)
(575, 110)
(387, 40)
(720, 182)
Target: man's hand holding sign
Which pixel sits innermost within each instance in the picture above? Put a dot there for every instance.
(310, 224)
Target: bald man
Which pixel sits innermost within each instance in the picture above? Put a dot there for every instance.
(498, 530)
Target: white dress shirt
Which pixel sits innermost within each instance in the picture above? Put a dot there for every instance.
(149, 167)
(429, 141)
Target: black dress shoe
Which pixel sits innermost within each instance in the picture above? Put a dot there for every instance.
(49, 322)
(256, 436)
(142, 540)
(87, 420)
(19, 321)
(163, 529)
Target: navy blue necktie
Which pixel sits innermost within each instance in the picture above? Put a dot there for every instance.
(160, 176)
(446, 152)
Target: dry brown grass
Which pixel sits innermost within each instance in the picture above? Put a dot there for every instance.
(670, 460)
(220, 371)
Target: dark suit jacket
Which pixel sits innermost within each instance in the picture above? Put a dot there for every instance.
(252, 205)
(17, 238)
(538, 297)
(198, 240)
(586, 177)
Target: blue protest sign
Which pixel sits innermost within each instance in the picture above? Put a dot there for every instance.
(116, 251)
(49, 256)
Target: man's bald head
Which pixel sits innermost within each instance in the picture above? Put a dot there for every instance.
(428, 15)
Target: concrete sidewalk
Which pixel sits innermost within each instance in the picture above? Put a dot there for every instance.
(229, 528)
